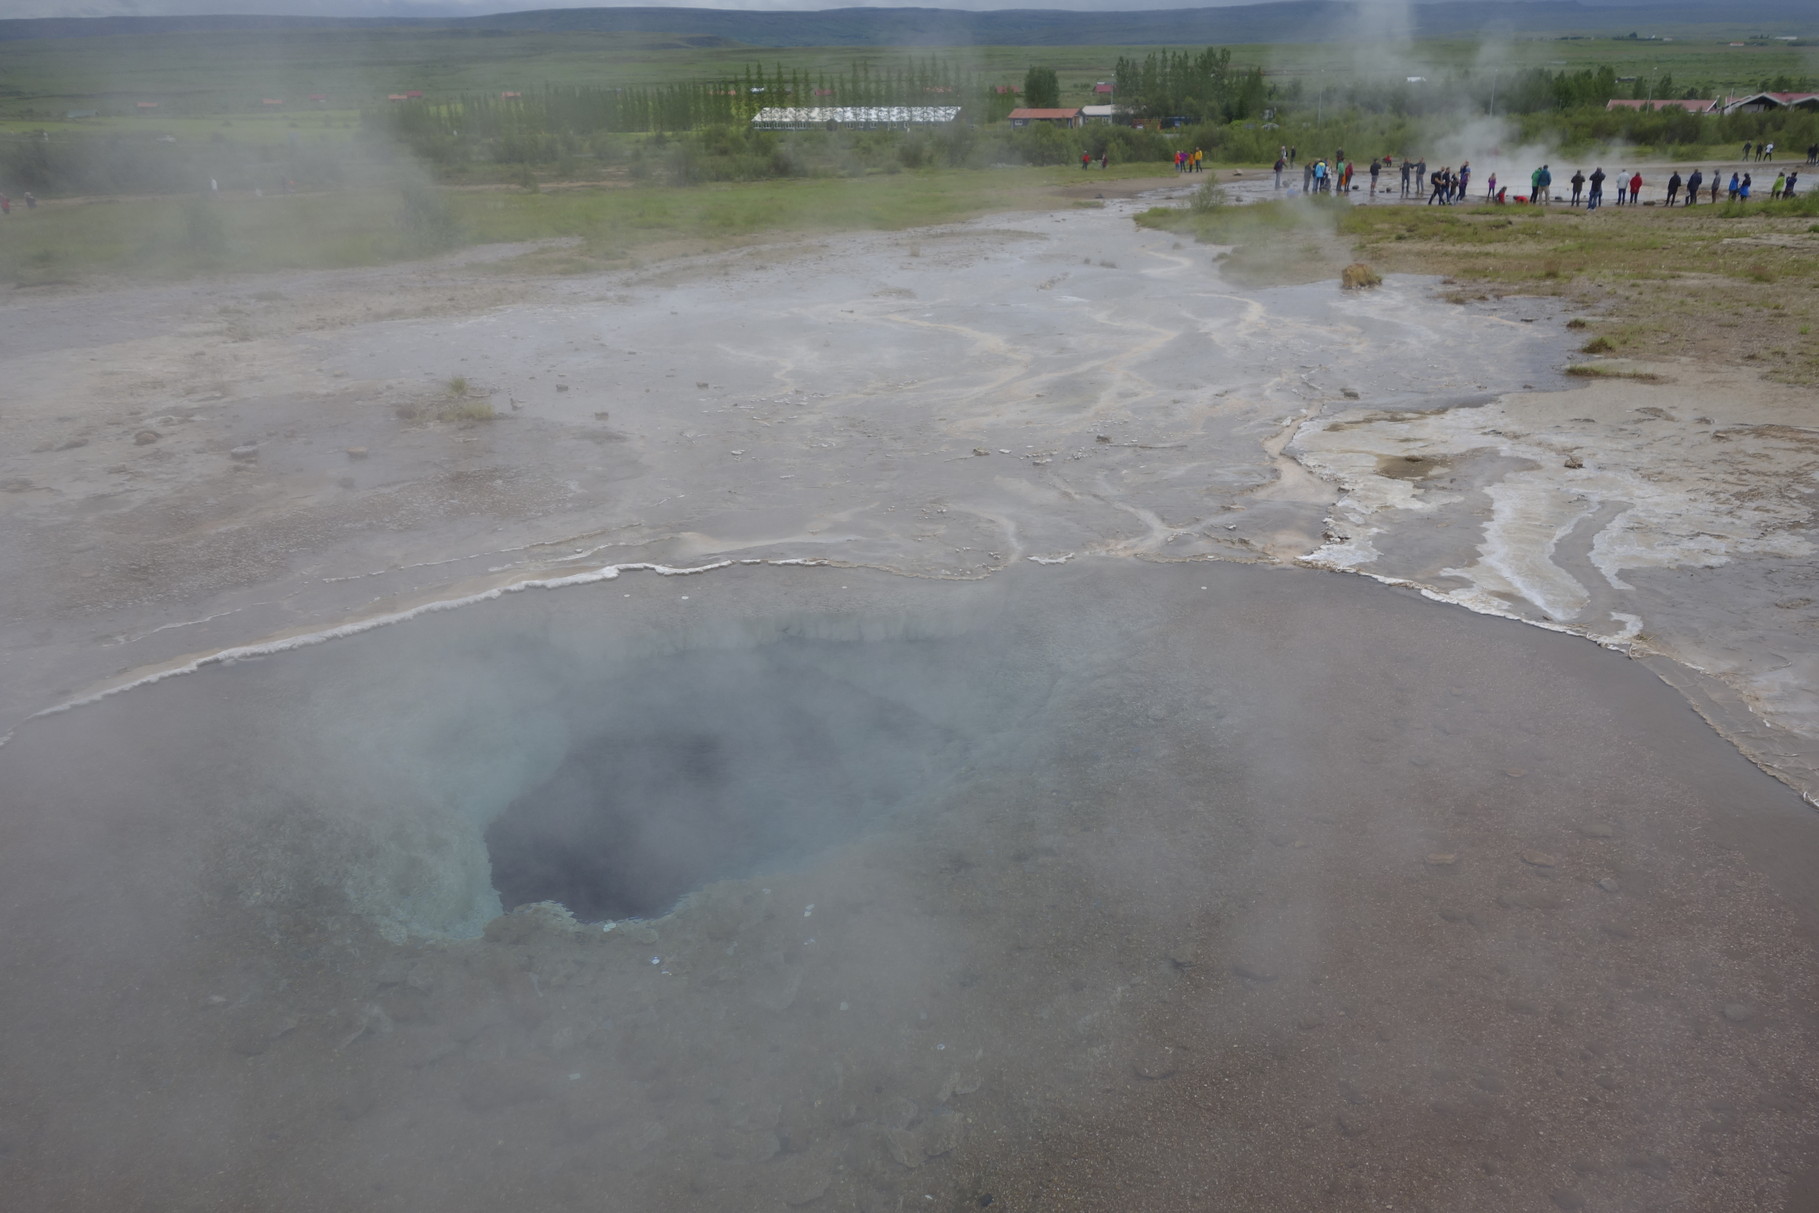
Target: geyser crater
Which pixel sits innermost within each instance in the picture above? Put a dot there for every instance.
(700, 765)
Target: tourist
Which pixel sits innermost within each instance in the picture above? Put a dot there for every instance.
(1743, 189)
(1578, 180)
(1774, 191)
(1692, 187)
(1281, 163)
(1793, 177)
(1767, 152)
(1442, 188)
(1735, 185)
(1673, 187)
(1747, 145)
(1465, 177)
(1490, 188)
(1376, 167)
(31, 199)
(1635, 186)
(1714, 187)
(1406, 167)
(1595, 195)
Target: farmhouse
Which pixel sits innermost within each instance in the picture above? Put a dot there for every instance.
(1098, 113)
(1053, 117)
(1756, 102)
(853, 117)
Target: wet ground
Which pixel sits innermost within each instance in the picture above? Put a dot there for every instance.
(1143, 878)
(1219, 884)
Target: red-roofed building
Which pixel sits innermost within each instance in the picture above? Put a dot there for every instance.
(1690, 105)
(1102, 89)
(510, 95)
(1054, 117)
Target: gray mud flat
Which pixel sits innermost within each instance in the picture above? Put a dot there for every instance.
(1115, 885)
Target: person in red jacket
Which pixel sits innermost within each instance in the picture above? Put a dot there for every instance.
(1635, 188)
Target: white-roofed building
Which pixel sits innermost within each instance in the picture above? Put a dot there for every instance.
(853, 117)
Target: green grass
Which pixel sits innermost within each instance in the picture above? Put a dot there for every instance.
(1731, 283)
(1598, 370)
(177, 237)
(230, 71)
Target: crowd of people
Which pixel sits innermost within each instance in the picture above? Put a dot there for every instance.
(1447, 186)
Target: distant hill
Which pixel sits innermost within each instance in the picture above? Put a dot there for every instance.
(1285, 21)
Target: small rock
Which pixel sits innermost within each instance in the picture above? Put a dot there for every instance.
(562, 387)
(904, 1147)
(802, 1180)
(898, 1112)
(356, 452)
(1350, 393)
(960, 1082)
(940, 1136)
(1102, 438)
(1155, 1061)
(249, 451)
(1609, 885)
(1538, 859)
(146, 437)
(1739, 1012)
(701, 385)
(1573, 461)
(71, 444)
(979, 450)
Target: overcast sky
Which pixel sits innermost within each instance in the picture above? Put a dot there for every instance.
(448, 8)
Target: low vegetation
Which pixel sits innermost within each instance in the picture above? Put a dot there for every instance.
(1727, 283)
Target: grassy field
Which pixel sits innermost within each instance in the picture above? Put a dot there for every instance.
(232, 72)
(107, 240)
(1726, 283)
